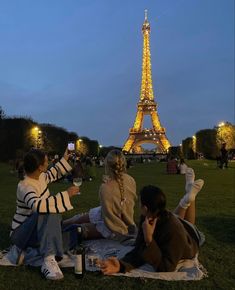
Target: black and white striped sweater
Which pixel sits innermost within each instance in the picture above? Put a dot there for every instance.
(34, 196)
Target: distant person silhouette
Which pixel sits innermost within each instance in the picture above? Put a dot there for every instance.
(223, 157)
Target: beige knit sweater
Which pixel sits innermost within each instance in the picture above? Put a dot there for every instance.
(118, 216)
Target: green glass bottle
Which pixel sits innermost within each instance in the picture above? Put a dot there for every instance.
(79, 262)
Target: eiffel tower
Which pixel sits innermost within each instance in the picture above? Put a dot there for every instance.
(146, 106)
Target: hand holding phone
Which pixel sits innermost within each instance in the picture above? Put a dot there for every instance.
(69, 149)
(71, 146)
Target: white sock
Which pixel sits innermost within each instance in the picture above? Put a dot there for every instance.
(189, 179)
(191, 195)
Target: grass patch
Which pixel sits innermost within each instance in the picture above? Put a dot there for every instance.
(215, 217)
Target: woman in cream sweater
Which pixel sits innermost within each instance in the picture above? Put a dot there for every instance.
(114, 218)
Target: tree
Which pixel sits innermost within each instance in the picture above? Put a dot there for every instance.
(19, 134)
(88, 147)
(2, 114)
(105, 150)
(175, 152)
(56, 138)
(93, 147)
(15, 137)
(206, 143)
(187, 147)
(225, 134)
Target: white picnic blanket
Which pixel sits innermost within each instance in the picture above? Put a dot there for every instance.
(189, 269)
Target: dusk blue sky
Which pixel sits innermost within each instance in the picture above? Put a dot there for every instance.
(77, 64)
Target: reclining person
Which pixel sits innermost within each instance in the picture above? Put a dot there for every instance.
(164, 238)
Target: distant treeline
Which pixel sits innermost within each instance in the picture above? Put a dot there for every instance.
(206, 143)
(20, 134)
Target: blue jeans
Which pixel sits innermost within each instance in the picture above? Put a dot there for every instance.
(45, 231)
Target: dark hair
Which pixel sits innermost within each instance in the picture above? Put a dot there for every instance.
(153, 198)
(33, 159)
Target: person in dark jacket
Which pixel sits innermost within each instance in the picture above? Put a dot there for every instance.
(223, 157)
(164, 237)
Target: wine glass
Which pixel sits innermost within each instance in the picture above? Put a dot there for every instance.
(77, 181)
(92, 260)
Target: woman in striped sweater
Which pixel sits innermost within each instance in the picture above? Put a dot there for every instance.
(37, 220)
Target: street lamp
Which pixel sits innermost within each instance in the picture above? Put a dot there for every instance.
(37, 135)
(221, 124)
(194, 145)
(99, 148)
(81, 146)
(78, 141)
(39, 139)
(220, 132)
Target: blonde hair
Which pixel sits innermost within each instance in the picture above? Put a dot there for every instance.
(115, 166)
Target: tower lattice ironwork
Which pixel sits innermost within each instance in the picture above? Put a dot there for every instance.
(146, 106)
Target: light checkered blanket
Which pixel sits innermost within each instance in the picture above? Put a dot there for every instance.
(189, 269)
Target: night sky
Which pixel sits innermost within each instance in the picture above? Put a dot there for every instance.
(77, 64)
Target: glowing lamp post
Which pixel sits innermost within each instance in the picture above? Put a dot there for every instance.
(78, 145)
(220, 132)
(221, 124)
(82, 146)
(37, 137)
(194, 144)
(99, 148)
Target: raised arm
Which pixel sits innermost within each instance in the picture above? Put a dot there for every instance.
(57, 171)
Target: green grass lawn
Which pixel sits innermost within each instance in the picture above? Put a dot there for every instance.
(215, 217)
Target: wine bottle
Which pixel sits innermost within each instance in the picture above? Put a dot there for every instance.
(79, 263)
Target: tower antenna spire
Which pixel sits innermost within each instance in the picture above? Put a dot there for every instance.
(146, 15)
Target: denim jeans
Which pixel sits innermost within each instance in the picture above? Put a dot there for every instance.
(45, 231)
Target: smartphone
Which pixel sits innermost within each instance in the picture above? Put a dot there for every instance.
(71, 146)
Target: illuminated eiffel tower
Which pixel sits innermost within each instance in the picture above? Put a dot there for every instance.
(146, 106)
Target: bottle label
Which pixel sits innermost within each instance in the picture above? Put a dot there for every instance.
(78, 264)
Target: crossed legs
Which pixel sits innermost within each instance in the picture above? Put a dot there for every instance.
(186, 208)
